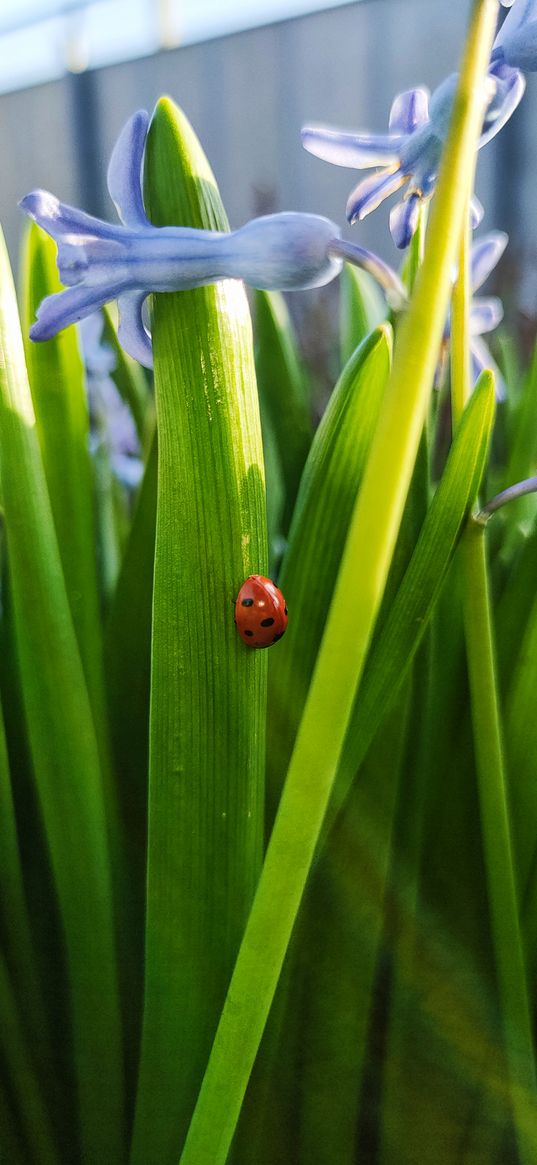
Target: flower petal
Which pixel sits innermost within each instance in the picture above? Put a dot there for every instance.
(132, 332)
(99, 357)
(404, 220)
(124, 176)
(519, 48)
(524, 11)
(372, 191)
(481, 359)
(486, 254)
(357, 151)
(63, 222)
(477, 212)
(69, 307)
(485, 315)
(128, 470)
(510, 90)
(409, 110)
(385, 276)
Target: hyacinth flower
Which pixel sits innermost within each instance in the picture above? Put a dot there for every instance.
(516, 42)
(486, 312)
(99, 262)
(409, 155)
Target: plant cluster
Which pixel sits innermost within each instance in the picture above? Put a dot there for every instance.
(272, 907)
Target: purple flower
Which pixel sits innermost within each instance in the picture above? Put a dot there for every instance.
(485, 312)
(99, 262)
(516, 42)
(409, 155)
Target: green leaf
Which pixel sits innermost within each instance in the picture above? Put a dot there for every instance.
(128, 658)
(127, 654)
(23, 1084)
(282, 391)
(17, 942)
(514, 1000)
(405, 624)
(328, 490)
(129, 378)
(372, 800)
(516, 587)
(362, 309)
(64, 750)
(345, 905)
(111, 520)
(207, 688)
(57, 383)
(521, 750)
(369, 548)
(522, 459)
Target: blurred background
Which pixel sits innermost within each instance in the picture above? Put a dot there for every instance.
(248, 73)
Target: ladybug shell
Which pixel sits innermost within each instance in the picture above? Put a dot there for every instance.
(260, 612)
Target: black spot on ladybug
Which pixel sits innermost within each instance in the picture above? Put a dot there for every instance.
(248, 632)
(267, 622)
(285, 611)
(276, 637)
(247, 603)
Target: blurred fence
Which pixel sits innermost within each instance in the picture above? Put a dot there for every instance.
(247, 95)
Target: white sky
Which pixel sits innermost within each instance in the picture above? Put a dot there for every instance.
(113, 30)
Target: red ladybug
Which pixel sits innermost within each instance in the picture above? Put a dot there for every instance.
(260, 612)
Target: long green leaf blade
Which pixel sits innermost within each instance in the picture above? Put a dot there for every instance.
(56, 375)
(327, 492)
(207, 688)
(362, 309)
(406, 622)
(282, 391)
(64, 750)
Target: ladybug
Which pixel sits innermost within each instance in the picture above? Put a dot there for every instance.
(260, 612)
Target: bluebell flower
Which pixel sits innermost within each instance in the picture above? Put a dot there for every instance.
(485, 312)
(516, 42)
(99, 262)
(409, 155)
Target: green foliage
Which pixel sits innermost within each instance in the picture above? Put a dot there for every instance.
(268, 907)
(207, 718)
